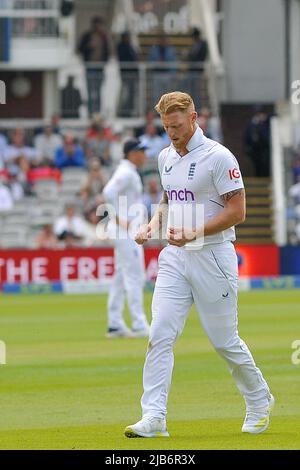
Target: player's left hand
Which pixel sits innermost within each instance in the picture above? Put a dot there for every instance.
(180, 236)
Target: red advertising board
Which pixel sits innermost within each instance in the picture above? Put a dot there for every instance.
(62, 265)
(87, 264)
(258, 260)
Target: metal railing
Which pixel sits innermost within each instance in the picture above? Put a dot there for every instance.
(139, 86)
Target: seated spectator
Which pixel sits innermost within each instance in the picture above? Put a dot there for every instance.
(99, 121)
(151, 197)
(46, 239)
(46, 144)
(98, 146)
(6, 199)
(150, 118)
(210, 125)
(70, 228)
(20, 154)
(162, 52)
(96, 232)
(94, 183)
(70, 154)
(117, 144)
(54, 124)
(153, 141)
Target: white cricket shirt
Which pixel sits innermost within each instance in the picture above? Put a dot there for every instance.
(195, 183)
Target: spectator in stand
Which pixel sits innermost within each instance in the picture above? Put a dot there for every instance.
(210, 125)
(94, 49)
(71, 99)
(70, 228)
(98, 146)
(162, 54)
(127, 55)
(257, 142)
(197, 56)
(96, 233)
(20, 154)
(46, 144)
(46, 239)
(93, 185)
(54, 123)
(152, 197)
(99, 121)
(199, 49)
(150, 118)
(6, 199)
(153, 141)
(70, 154)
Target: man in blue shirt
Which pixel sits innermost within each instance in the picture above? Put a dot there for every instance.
(70, 154)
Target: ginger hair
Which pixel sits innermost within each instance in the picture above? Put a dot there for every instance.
(175, 101)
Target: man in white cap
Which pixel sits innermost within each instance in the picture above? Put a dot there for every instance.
(125, 189)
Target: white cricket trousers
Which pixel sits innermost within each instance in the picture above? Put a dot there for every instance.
(208, 278)
(129, 277)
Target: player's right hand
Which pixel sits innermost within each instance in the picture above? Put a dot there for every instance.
(143, 234)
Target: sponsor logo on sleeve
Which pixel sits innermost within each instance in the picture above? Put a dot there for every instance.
(234, 174)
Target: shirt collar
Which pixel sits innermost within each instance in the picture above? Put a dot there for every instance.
(196, 140)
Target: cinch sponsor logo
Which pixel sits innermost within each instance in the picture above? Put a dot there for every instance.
(234, 174)
(180, 195)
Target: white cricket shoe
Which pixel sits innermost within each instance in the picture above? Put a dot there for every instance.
(119, 333)
(257, 420)
(148, 426)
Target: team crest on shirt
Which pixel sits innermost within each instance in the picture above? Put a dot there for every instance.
(192, 171)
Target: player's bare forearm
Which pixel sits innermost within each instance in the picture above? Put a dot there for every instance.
(160, 215)
(234, 213)
(156, 223)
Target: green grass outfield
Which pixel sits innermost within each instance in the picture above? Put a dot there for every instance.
(66, 386)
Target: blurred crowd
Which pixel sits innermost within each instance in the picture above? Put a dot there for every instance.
(50, 153)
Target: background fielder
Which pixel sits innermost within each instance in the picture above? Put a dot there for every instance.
(129, 257)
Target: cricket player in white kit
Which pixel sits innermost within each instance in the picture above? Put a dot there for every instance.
(198, 266)
(125, 186)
